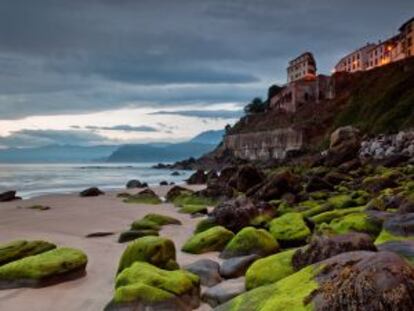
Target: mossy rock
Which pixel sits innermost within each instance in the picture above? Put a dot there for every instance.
(386, 236)
(205, 224)
(261, 221)
(290, 229)
(341, 201)
(270, 269)
(316, 210)
(131, 235)
(250, 241)
(213, 239)
(193, 209)
(20, 248)
(177, 191)
(144, 286)
(155, 250)
(185, 199)
(357, 222)
(319, 195)
(43, 269)
(162, 220)
(145, 224)
(146, 196)
(331, 215)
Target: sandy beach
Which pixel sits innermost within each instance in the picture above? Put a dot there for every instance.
(67, 223)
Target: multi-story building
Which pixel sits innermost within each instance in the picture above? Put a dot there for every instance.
(355, 61)
(302, 67)
(407, 37)
(385, 52)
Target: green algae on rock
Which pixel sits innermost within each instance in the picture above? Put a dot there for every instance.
(142, 286)
(155, 250)
(290, 229)
(130, 235)
(330, 215)
(205, 224)
(162, 220)
(213, 239)
(270, 269)
(193, 209)
(145, 224)
(192, 199)
(20, 248)
(48, 267)
(358, 222)
(341, 201)
(250, 241)
(146, 196)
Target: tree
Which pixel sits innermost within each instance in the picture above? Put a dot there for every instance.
(255, 106)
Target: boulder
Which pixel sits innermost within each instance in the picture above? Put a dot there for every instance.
(205, 224)
(344, 145)
(270, 269)
(175, 173)
(54, 266)
(145, 224)
(355, 222)
(207, 270)
(198, 178)
(131, 235)
(143, 286)
(223, 292)
(407, 204)
(397, 227)
(246, 177)
(91, 192)
(317, 183)
(336, 178)
(146, 196)
(237, 266)
(375, 184)
(213, 239)
(9, 196)
(20, 248)
(177, 191)
(403, 248)
(162, 220)
(134, 183)
(226, 174)
(212, 176)
(290, 229)
(248, 241)
(321, 248)
(217, 192)
(163, 183)
(155, 250)
(194, 210)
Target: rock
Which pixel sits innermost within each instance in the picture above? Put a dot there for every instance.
(20, 248)
(145, 224)
(290, 229)
(217, 191)
(375, 184)
(163, 183)
(39, 207)
(340, 283)
(155, 250)
(213, 239)
(175, 173)
(146, 196)
(91, 192)
(237, 266)
(407, 204)
(317, 184)
(246, 177)
(344, 145)
(398, 227)
(335, 178)
(99, 234)
(355, 222)
(177, 191)
(9, 196)
(198, 178)
(341, 201)
(134, 183)
(212, 176)
(349, 166)
(205, 224)
(51, 267)
(162, 220)
(223, 292)
(226, 174)
(131, 235)
(143, 286)
(207, 270)
(194, 210)
(235, 214)
(403, 248)
(248, 241)
(321, 248)
(330, 215)
(270, 269)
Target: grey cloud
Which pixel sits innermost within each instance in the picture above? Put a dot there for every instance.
(209, 114)
(124, 128)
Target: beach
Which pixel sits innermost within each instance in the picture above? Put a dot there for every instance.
(67, 222)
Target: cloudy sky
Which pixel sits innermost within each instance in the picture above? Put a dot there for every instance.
(113, 71)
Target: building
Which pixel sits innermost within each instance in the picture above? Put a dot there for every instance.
(302, 67)
(355, 61)
(375, 55)
(407, 37)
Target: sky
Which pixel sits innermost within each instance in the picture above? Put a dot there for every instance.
(93, 72)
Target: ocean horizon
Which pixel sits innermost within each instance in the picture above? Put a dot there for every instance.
(32, 180)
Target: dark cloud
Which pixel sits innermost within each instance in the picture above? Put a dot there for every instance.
(209, 114)
(124, 128)
(35, 138)
(80, 56)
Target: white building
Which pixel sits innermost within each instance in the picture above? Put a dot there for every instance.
(302, 67)
(407, 37)
(355, 61)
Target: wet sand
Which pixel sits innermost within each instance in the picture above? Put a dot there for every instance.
(67, 223)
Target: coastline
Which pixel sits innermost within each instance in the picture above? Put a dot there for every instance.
(67, 223)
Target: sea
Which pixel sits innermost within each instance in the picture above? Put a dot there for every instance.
(31, 180)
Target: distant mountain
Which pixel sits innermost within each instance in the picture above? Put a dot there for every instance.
(56, 154)
(209, 137)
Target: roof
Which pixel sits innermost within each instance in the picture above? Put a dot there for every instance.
(406, 23)
(303, 54)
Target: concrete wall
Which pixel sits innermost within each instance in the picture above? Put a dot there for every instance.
(265, 145)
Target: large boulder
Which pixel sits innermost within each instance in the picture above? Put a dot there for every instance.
(198, 178)
(176, 192)
(155, 250)
(20, 248)
(358, 280)
(143, 286)
(223, 292)
(396, 228)
(217, 191)
(91, 192)
(134, 183)
(207, 270)
(54, 266)
(246, 177)
(146, 196)
(321, 248)
(344, 145)
(213, 239)
(237, 266)
(9, 196)
(161, 220)
(248, 241)
(290, 229)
